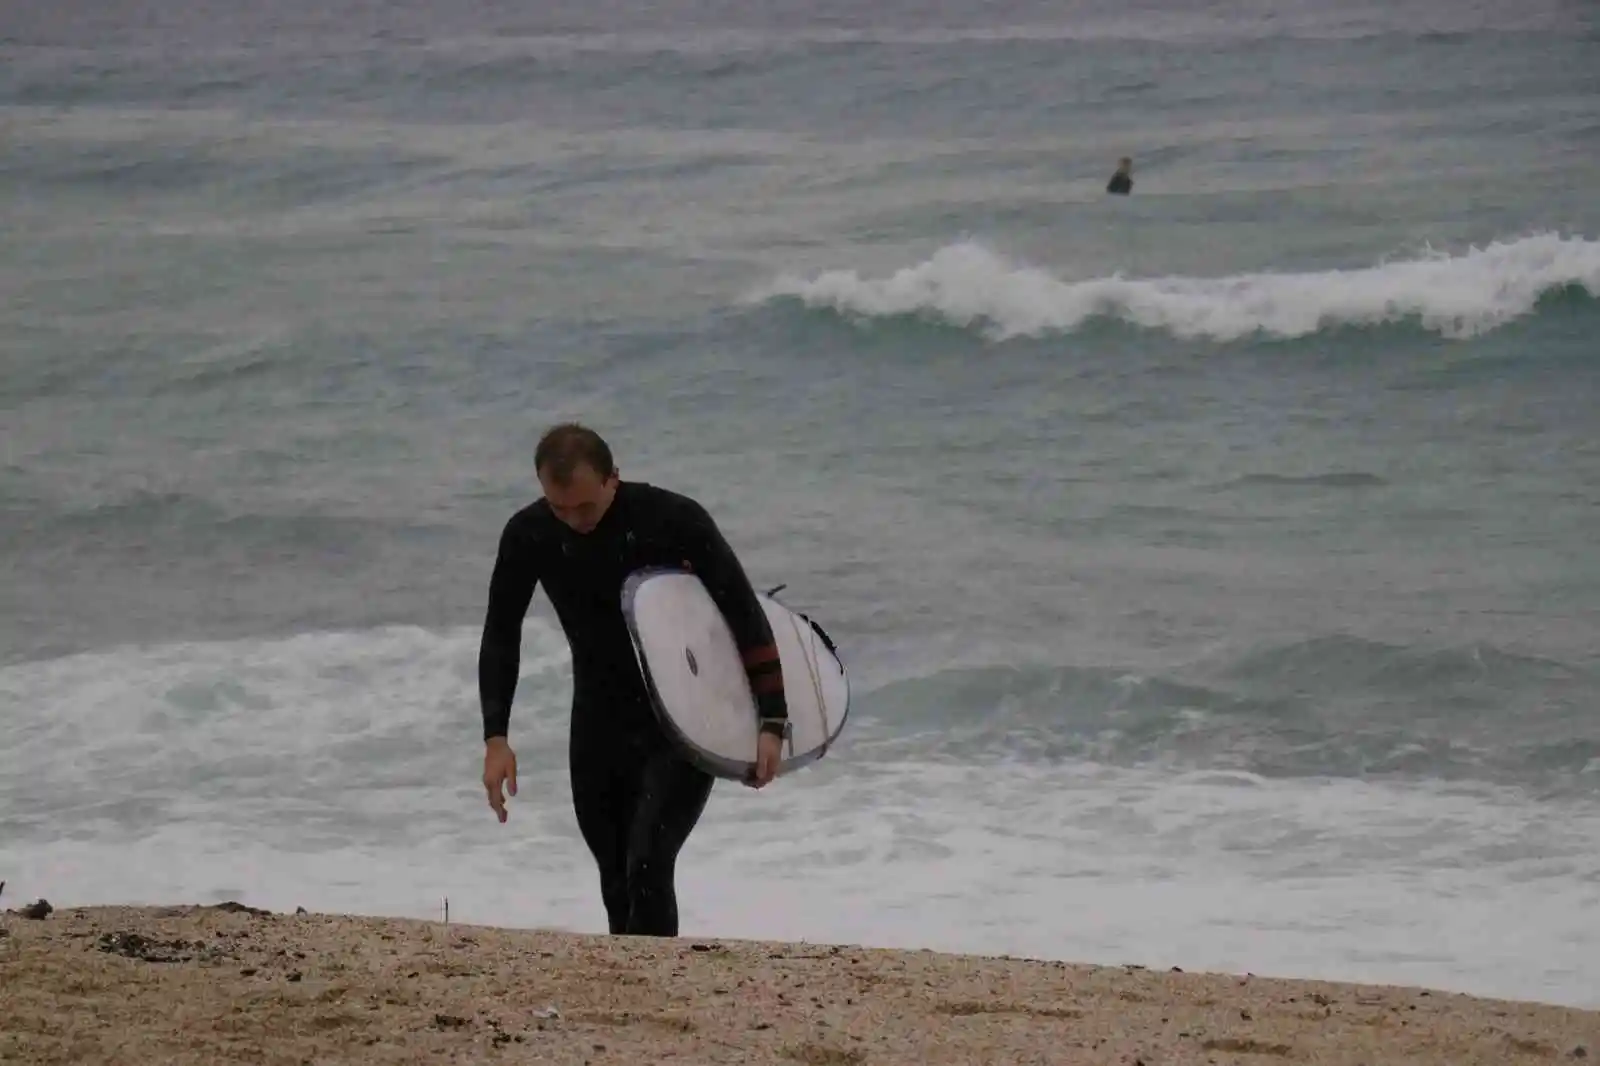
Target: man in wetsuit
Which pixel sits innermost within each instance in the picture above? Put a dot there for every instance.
(635, 796)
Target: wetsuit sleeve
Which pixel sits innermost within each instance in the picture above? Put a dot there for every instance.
(511, 586)
(713, 561)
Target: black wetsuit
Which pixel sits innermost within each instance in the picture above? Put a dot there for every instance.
(635, 798)
(1120, 184)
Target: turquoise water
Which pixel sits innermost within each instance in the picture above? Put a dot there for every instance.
(1283, 470)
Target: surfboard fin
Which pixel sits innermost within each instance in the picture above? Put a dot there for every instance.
(826, 640)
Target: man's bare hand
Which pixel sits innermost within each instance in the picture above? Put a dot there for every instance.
(499, 770)
(769, 751)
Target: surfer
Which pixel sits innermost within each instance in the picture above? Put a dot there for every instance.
(1121, 183)
(636, 799)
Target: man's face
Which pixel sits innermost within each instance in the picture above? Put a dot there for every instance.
(582, 502)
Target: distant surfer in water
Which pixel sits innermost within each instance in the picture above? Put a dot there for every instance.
(1121, 183)
(635, 797)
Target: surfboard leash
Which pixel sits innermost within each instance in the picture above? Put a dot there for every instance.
(816, 685)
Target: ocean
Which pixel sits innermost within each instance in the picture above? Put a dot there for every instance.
(1217, 567)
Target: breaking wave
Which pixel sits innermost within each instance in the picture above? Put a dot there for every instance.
(971, 286)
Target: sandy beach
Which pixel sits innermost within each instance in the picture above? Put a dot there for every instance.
(228, 984)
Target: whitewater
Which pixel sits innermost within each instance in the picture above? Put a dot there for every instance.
(337, 771)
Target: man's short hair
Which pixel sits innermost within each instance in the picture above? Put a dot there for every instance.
(568, 444)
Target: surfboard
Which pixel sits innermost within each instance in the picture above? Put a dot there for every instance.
(697, 679)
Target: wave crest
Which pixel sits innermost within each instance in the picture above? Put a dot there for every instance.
(973, 287)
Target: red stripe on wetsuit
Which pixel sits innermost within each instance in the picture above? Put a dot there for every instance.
(764, 669)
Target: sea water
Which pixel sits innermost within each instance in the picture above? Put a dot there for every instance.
(1218, 567)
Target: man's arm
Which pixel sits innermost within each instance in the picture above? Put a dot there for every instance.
(714, 562)
(511, 588)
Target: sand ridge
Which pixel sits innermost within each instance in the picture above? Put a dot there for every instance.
(229, 984)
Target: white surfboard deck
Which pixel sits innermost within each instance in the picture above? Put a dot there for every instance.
(698, 682)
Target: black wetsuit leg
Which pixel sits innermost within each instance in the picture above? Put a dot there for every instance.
(672, 796)
(602, 791)
(636, 802)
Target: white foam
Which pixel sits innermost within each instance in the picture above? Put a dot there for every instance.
(969, 285)
(339, 772)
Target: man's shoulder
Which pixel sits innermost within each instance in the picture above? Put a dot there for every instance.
(647, 498)
(530, 524)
